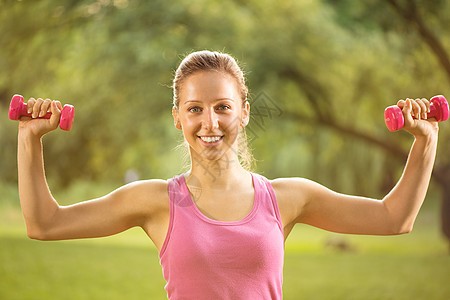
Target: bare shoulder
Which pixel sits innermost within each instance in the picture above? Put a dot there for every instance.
(292, 189)
(292, 194)
(147, 196)
(285, 185)
(156, 187)
(154, 191)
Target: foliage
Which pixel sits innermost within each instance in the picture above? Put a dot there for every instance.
(330, 66)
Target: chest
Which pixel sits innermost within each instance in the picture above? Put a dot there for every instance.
(224, 206)
(242, 247)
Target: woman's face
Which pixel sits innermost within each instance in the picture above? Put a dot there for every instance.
(210, 113)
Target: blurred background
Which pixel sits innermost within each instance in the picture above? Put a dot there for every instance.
(320, 73)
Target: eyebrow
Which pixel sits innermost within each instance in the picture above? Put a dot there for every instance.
(216, 100)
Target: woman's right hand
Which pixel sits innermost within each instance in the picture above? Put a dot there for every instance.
(38, 108)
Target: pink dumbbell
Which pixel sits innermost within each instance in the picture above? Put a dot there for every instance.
(18, 108)
(393, 115)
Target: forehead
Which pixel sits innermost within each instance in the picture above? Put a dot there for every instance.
(209, 86)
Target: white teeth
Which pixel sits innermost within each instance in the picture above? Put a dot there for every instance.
(210, 139)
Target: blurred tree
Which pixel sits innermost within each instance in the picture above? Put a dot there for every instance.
(419, 23)
(411, 15)
(329, 66)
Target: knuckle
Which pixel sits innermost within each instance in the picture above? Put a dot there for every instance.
(31, 102)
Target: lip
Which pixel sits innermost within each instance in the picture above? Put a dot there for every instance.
(210, 144)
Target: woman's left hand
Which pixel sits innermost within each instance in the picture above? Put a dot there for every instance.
(415, 115)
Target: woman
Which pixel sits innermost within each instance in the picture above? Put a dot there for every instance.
(219, 229)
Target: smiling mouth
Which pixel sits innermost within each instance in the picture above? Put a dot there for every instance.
(210, 139)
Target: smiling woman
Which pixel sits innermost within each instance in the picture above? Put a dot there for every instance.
(210, 114)
(234, 90)
(219, 225)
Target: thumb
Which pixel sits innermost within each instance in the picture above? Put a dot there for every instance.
(408, 106)
(407, 113)
(56, 113)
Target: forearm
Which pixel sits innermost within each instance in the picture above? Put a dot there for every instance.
(404, 201)
(38, 205)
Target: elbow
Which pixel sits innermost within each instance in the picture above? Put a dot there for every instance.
(40, 229)
(406, 229)
(36, 233)
(403, 228)
(397, 222)
(397, 226)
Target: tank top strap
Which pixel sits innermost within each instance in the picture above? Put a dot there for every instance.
(178, 192)
(264, 184)
(177, 196)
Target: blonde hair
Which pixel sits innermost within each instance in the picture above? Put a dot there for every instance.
(219, 62)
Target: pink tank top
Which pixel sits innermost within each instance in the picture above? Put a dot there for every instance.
(203, 258)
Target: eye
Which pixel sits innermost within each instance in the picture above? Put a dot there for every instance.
(223, 107)
(195, 109)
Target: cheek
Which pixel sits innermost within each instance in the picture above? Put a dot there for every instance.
(232, 124)
(187, 120)
(189, 125)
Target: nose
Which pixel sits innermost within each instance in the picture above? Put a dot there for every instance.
(211, 120)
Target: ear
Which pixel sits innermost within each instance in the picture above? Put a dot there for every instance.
(245, 117)
(176, 119)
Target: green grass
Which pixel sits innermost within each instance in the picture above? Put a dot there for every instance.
(63, 270)
(126, 266)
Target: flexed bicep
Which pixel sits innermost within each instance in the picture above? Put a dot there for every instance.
(126, 207)
(307, 202)
(342, 213)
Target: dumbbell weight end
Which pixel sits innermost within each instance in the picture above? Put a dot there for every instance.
(18, 108)
(393, 115)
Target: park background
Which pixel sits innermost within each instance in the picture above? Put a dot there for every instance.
(320, 74)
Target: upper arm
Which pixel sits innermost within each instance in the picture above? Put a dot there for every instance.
(131, 205)
(308, 202)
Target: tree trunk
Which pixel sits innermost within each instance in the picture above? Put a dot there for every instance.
(442, 177)
(445, 211)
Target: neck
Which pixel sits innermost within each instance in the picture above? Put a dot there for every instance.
(220, 174)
